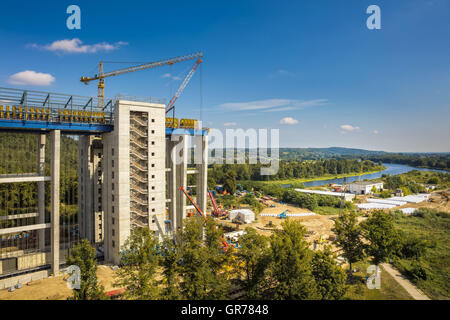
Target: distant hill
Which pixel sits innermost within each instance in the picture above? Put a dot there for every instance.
(320, 153)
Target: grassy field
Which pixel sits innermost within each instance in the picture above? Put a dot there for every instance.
(389, 290)
(431, 272)
(327, 210)
(325, 177)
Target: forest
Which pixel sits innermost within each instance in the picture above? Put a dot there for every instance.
(431, 161)
(294, 169)
(420, 160)
(18, 155)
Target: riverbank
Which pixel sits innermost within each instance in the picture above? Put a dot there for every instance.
(321, 178)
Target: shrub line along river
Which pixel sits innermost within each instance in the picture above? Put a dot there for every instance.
(391, 169)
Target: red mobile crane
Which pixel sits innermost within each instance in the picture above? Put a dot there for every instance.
(224, 242)
(217, 212)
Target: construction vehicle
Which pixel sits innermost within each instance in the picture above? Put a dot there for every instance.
(224, 242)
(216, 212)
(102, 75)
(283, 214)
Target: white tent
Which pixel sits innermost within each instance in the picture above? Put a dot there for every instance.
(244, 215)
(369, 206)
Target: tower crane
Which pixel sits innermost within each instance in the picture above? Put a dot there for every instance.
(102, 75)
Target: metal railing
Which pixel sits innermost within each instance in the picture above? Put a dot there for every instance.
(53, 107)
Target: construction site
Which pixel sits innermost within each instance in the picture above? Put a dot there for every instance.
(134, 157)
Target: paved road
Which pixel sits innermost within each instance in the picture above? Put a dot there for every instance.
(404, 282)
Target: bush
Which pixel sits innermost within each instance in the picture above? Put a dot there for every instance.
(417, 272)
(412, 247)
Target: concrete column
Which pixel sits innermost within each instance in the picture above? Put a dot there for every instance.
(55, 172)
(41, 188)
(172, 183)
(201, 160)
(181, 152)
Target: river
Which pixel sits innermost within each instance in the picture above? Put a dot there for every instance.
(391, 169)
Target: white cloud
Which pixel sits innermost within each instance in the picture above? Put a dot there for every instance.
(288, 120)
(273, 105)
(170, 76)
(229, 124)
(349, 128)
(30, 77)
(376, 132)
(75, 45)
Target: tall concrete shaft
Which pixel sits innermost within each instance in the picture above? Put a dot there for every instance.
(201, 161)
(181, 153)
(41, 188)
(55, 172)
(172, 182)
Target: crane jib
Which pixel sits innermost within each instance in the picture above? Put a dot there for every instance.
(144, 66)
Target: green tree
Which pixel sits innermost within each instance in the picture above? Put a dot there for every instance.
(230, 181)
(139, 259)
(330, 278)
(349, 237)
(83, 256)
(253, 260)
(211, 182)
(291, 263)
(383, 239)
(201, 261)
(169, 262)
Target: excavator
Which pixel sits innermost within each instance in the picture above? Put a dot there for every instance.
(283, 214)
(224, 242)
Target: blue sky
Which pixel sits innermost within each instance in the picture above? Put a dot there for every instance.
(310, 68)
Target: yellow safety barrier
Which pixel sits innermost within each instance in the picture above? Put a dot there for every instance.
(172, 123)
(7, 112)
(189, 124)
(13, 112)
(1, 112)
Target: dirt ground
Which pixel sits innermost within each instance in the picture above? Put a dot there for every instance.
(55, 288)
(318, 225)
(437, 202)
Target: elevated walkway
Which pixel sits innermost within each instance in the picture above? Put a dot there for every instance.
(38, 111)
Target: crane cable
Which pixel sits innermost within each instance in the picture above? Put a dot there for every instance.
(201, 93)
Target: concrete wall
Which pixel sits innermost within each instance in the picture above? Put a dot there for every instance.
(23, 279)
(90, 175)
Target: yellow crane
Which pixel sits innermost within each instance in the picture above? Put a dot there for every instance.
(102, 75)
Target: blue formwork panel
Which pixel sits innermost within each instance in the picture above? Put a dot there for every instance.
(191, 132)
(75, 127)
